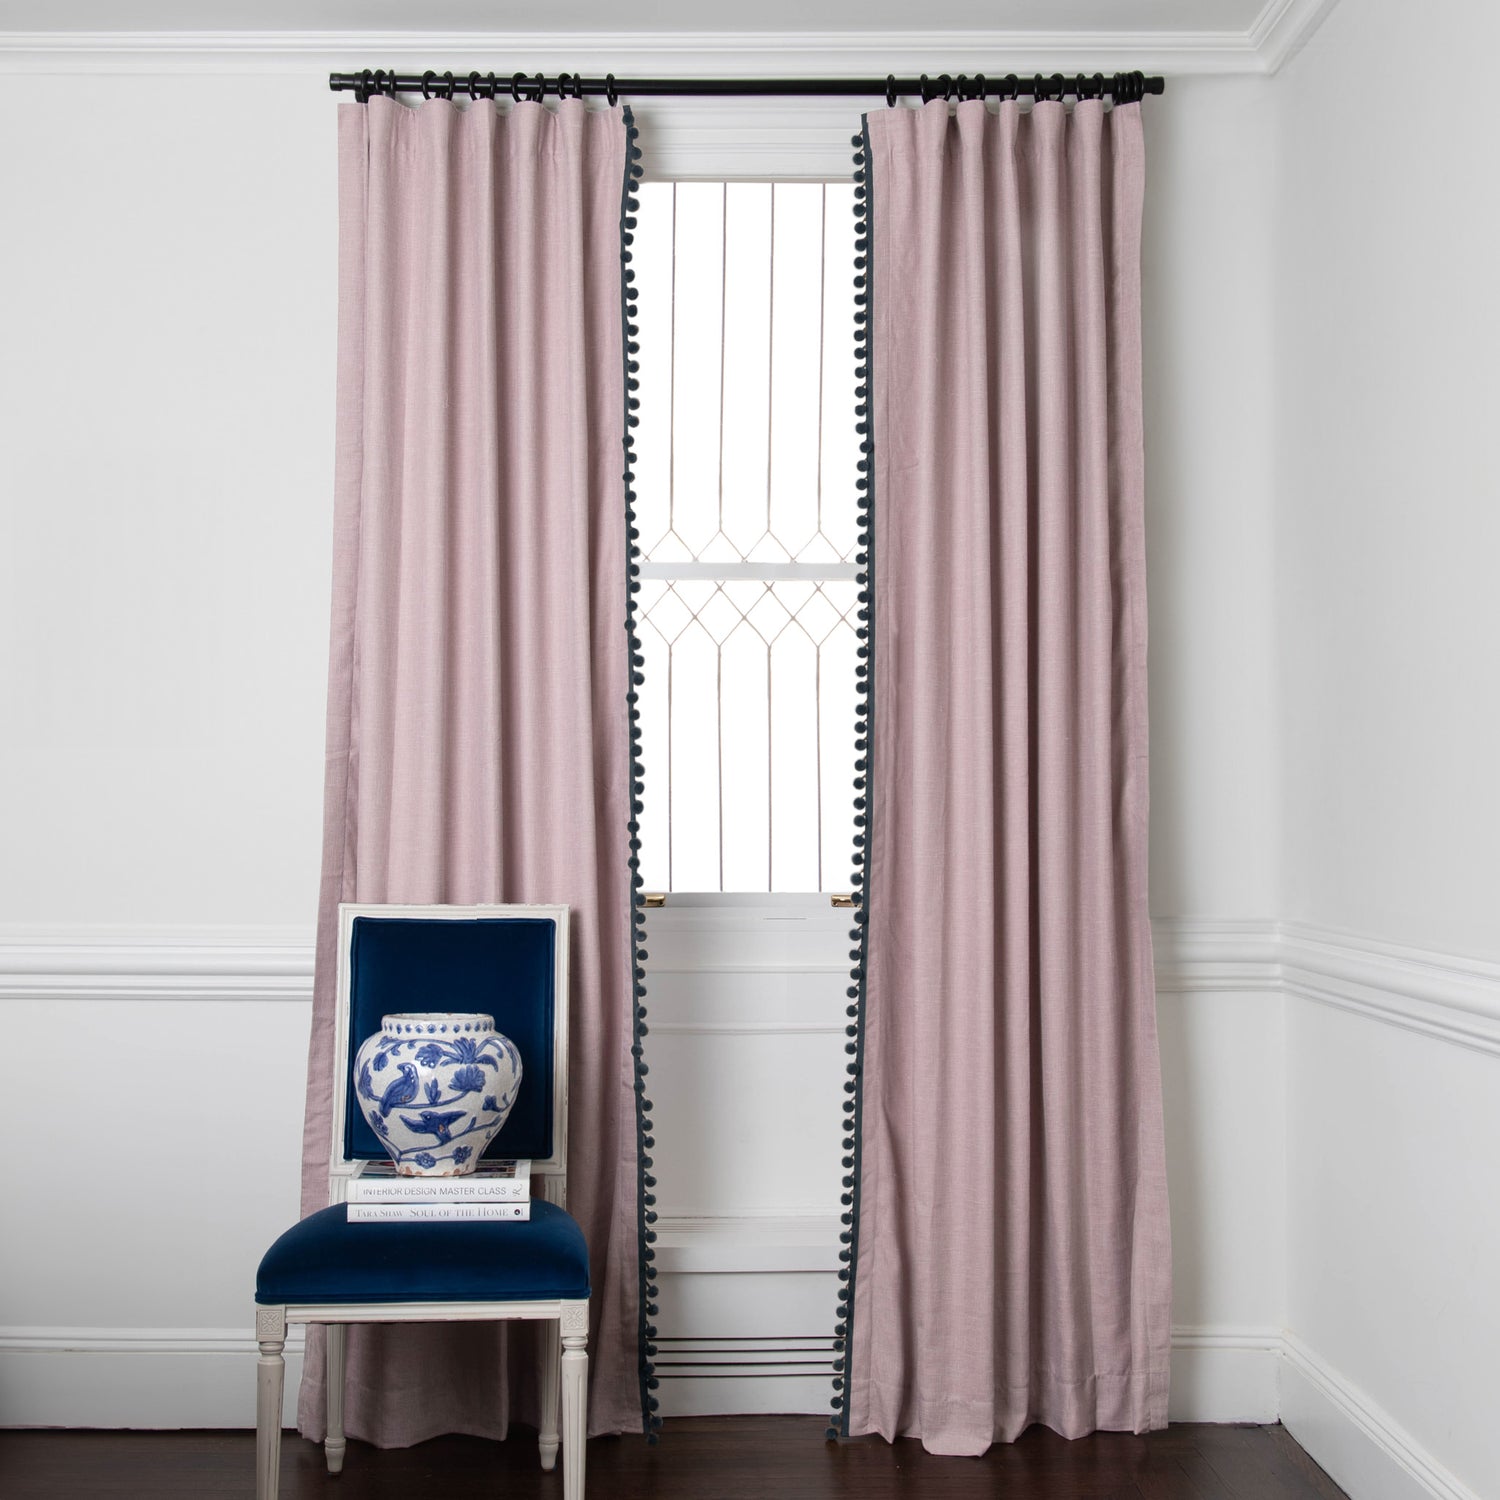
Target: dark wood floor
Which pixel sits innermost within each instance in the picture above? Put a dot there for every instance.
(702, 1458)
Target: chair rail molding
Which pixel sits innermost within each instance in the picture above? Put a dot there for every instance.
(1449, 997)
(1201, 955)
(60, 961)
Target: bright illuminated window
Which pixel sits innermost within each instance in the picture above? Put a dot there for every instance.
(745, 479)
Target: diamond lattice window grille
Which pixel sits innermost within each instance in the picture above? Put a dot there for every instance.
(746, 462)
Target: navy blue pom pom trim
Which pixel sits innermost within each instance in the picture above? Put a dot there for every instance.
(645, 1182)
(864, 292)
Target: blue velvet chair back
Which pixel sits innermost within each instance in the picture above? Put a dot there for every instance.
(505, 966)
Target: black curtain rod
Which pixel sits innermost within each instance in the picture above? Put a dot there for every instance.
(1123, 88)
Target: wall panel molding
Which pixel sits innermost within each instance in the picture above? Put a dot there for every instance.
(715, 1244)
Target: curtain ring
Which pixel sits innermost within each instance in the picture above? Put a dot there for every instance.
(541, 87)
(493, 84)
(981, 84)
(926, 90)
(1010, 88)
(609, 90)
(516, 80)
(1060, 84)
(448, 87)
(390, 84)
(474, 88)
(562, 86)
(362, 88)
(1098, 85)
(427, 78)
(945, 82)
(890, 91)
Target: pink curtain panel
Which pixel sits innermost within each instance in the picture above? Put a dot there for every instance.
(1010, 1250)
(477, 721)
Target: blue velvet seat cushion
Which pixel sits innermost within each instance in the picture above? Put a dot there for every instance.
(325, 1258)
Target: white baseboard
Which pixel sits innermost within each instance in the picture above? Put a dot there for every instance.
(204, 1378)
(1225, 1374)
(1361, 1446)
(135, 1377)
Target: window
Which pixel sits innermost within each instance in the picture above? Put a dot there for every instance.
(745, 468)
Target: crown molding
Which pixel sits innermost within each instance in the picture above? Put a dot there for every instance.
(1276, 34)
(1283, 28)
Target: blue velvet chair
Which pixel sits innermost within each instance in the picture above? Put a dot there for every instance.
(510, 962)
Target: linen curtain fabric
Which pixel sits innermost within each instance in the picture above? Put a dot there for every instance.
(1011, 1253)
(477, 732)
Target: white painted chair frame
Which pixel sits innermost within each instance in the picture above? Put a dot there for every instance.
(564, 1370)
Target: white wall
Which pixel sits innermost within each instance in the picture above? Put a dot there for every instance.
(1387, 543)
(165, 415)
(166, 403)
(1208, 348)
(1388, 312)
(168, 299)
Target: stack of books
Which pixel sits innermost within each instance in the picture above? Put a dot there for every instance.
(494, 1190)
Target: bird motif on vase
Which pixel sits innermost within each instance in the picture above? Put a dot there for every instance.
(400, 1090)
(430, 1122)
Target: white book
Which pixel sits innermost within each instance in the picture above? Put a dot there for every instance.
(491, 1182)
(437, 1213)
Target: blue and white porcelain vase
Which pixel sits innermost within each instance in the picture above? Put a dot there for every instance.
(436, 1089)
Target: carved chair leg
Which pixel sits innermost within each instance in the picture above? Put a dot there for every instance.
(575, 1368)
(550, 1375)
(334, 1444)
(270, 1377)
